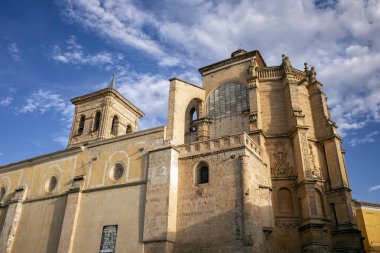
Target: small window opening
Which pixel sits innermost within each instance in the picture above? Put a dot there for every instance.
(202, 173)
(193, 117)
(97, 121)
(115, 123)
(51, 184)
(81, 124)
(129, 129)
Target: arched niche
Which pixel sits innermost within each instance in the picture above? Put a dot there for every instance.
(285, 201)
(319, 203)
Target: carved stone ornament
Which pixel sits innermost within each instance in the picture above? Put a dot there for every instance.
(253, 117)
(298, 113)
(314, 170)
(312, 75)
(305, 154)
(281, 165)
(286, 64)
(252, 69)
(287, 224)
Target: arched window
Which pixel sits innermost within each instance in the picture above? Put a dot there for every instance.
(228, 100)
(129, 129)
(97, 121)
(115, 123)
(3, 191)
(285, 201)
(202, 173)
(81, 124)
(193, 117)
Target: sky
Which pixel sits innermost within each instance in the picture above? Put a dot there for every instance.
(52, 51)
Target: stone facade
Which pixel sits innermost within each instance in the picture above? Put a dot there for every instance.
(249, 162)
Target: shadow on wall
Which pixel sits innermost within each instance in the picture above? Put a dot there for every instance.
(223, 232)
(59, 204)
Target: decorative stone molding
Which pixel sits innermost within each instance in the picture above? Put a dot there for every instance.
(253, 117)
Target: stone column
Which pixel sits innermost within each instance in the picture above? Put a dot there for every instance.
(71, 216)
(246, 210)
(12, 220)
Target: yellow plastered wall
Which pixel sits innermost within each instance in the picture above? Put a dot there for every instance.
(368, 220)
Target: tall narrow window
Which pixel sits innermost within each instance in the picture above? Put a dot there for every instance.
(81, 124)
(97, 121)
(129, 129)
(115, 123)
(193, 117)
(204, 175)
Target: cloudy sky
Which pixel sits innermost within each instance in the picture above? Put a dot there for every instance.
(52, 51)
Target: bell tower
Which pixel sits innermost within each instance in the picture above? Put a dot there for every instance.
(101, 115)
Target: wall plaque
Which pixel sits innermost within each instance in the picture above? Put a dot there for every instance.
(108, 243)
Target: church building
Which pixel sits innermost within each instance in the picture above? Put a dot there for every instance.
(250, 161)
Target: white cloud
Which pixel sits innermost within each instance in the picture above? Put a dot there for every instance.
(369, 138)
(122, 21)
(75, 54)
(44, 101)
(150, 94)
(5, 101)
(14, 51)
(340, 38)
(374, 188)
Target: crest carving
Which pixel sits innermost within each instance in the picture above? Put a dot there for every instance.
(281, 165)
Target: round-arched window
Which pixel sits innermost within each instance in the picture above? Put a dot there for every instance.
(51, 184)
(228, 100)
(117, 172)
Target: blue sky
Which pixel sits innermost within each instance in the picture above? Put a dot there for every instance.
(52, 51)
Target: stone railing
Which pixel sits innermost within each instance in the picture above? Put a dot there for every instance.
(277, 72)
(270, 73)
(298, 75)
(219, 145)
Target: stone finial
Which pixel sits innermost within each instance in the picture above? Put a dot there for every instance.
(252, 68)
(312, 75)
(287, 65)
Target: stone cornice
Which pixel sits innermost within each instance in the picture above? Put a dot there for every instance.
(229, 61)
(183, 81)
(42, 158)
(360, 204)
(106, 92)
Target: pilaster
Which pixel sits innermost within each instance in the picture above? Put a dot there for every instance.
(12, 220)
(161, 201)
(105, 115)
(70, 219)
(246, 205)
